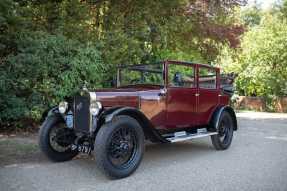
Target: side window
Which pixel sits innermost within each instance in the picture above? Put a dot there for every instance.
(181, 76)
(207, 78)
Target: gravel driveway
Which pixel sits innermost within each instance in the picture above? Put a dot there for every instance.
(256, 160)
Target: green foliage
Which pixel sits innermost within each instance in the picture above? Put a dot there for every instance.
(261, 62)
(45, 70)
(284, 8)
(49, 48)
(251, 16)
(8, 25)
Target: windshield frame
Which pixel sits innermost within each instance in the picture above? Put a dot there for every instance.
(141, 68)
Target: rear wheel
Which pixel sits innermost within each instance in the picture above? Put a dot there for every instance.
(223, 139)
(119, 147)
(55, 140)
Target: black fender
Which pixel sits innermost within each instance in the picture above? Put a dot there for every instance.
(217, 114)
(150, 132)
(51, 111)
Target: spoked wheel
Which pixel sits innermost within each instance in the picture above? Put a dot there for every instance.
(61, 138)
(55, 140)
(123, 146)
(119, 147)
(223, 139)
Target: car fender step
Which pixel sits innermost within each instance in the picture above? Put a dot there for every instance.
(184, 136)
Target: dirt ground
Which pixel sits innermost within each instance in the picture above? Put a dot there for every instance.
(256, 160)
(19, 148)
(22, 148)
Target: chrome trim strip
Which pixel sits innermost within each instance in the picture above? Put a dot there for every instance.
(190, 136)
(93, 96)
(74, 113)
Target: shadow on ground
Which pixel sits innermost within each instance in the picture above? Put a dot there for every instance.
(24, 149)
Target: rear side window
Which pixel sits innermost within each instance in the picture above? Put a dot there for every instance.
(207, 78)
(181, 76)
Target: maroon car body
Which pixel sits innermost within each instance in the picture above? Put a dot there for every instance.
(165, 102)
(177, 107)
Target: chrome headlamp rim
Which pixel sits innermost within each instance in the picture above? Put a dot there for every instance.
(95, 108)
(63, 107)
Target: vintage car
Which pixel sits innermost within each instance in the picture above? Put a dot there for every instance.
(166, 102)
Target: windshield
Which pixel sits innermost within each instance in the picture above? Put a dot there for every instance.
(141, 74)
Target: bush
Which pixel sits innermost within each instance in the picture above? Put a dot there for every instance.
(261, 62)
(264, 58)
(45, 69)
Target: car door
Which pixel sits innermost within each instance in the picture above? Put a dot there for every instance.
(208, 91)
(181, 96)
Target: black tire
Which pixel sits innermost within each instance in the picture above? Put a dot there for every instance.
(223, 139)
(50, 124)
(108, 142)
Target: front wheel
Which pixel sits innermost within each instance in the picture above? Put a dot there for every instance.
(223, 139)
(119, 147)
(55, 140)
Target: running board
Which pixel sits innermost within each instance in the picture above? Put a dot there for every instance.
(183, 136)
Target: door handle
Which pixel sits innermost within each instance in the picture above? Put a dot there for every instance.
(197, 94)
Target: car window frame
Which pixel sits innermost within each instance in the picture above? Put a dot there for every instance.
(195, 84)
(216, 75)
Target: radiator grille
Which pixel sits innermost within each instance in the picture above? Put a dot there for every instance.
(82, 114)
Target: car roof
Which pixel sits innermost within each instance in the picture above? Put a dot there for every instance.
(190, 63)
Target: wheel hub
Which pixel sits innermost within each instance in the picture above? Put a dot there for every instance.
(124, 146)
(222, 131)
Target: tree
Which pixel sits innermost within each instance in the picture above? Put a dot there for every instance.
(153, 28)
(46, 69)
(53, 46)
(283, 8)
(251, 16)
(261, 61)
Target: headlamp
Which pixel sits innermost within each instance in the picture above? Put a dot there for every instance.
(95, 107)
(63, 106)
